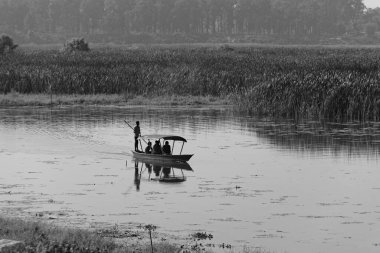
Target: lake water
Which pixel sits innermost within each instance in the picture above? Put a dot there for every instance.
(276, 185)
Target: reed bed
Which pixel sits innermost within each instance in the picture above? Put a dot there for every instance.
(334, 84)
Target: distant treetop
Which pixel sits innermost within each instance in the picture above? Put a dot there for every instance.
(297, 18)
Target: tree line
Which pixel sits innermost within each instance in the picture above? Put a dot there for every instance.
(204, 17)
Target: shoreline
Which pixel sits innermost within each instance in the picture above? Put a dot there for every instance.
(40, 235)
(45, 235)
(18, 99)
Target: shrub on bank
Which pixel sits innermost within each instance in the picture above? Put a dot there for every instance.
(76, 44)
(6, 44)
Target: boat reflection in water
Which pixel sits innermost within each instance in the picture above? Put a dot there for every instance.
(160, 171)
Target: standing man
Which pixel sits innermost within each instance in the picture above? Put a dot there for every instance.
(137, 132)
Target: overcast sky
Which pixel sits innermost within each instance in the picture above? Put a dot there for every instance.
(372, 3)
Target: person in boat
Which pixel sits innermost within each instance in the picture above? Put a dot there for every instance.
(166, 149)
(148, 149)
(157, 148)
(137, 132)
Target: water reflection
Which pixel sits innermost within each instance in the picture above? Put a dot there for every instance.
(250, 177)
(137, 176)
(164, 172)
(351, 139)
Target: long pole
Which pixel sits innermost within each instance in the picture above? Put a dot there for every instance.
(151, 241)
(51, 95)
(134, 129)
(183, 143)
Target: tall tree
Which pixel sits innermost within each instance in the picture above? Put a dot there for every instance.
(186, 15)
(55, 11)
(92, 13)
(39, 12)
(116, 19)
(165, 21)
(145, 15)
(13, 13)
(72, 16)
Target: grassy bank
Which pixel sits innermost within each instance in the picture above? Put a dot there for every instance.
(17, 99)
(329, 83)
(40, 237)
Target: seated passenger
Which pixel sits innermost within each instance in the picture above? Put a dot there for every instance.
(166, 148)
(148, 149)
(157, 148)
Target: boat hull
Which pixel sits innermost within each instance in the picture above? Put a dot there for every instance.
(157, 157)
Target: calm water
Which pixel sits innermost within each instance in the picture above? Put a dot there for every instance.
(310, 187)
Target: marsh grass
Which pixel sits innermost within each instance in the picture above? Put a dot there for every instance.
(329, 83)
(18, 99)
(46, 238)
(40, 237)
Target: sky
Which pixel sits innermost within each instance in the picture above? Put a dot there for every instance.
(372, 3)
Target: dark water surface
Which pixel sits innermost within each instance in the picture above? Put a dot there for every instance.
(285, 187)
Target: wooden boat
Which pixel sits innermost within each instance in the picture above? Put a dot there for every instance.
(163, 157)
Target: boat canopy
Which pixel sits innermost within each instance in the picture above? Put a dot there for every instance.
(164, 137)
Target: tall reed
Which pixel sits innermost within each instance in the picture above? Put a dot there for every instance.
(292, 82)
